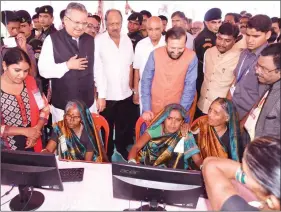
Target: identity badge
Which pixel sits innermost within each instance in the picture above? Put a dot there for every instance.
(38, 98)
(62, 142)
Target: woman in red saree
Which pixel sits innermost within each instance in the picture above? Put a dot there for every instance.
(24, 110)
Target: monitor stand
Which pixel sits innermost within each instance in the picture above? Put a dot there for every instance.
(27, 200)
(152, 206)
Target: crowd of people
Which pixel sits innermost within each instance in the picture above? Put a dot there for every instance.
(208, 92)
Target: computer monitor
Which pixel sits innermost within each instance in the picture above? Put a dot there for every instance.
(27, 170)
(157, 185)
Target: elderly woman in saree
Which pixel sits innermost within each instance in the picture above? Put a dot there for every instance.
(163, 143)
(217, 134)
(76, 137)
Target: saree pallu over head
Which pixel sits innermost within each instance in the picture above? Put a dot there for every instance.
(209, 142)
(75, 149)
(159, 151)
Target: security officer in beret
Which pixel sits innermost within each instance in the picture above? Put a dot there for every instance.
(46, 19)
(206, 39)
(26, 25)
(134, 25)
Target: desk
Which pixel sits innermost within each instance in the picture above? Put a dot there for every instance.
(94, 193)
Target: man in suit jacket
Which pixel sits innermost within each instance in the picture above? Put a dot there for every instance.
(264, 118)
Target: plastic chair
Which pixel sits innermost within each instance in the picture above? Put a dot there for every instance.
(100, 122)
(139, 123)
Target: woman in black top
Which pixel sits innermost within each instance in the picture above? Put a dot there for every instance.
(259, 171)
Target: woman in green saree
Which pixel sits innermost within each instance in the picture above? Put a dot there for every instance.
(217, 134)
(163, 144)
(76, 137)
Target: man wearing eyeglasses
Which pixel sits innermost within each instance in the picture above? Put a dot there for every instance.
(67, 58)
(246, 90)
(93, 27)
(264, 118)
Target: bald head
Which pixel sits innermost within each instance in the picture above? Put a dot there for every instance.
(154, 20)
(154, 28)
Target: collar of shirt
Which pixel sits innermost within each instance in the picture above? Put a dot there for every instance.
(77, 39)
(258, 50)
(121, 36)
(229, 52)
(161, 41)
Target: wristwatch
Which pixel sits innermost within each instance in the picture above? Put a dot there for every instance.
(135, 92)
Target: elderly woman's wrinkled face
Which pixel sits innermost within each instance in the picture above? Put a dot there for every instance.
(173, 122)
(72, 118)
(217, 115)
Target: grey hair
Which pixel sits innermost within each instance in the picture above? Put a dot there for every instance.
(112, 10)
(69, 105)
(75, 6)
(178, 13)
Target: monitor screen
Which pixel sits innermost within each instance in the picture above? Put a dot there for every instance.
(30, 169)
(164, 185)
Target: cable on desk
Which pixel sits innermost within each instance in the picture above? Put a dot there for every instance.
(8, 192)
(28, 199)
(6, 202)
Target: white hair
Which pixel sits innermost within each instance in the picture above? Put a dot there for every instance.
(75, 6)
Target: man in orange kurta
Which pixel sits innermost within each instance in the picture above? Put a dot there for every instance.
(169, 76)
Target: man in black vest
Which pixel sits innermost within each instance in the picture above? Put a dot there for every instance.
(67, 58)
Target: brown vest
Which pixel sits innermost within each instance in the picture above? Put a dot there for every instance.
(168, 82)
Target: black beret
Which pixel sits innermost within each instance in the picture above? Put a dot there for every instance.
(23, 16)
(8, 16)
(35, 16)
(213, 14)
(46, 9)
(136, 17)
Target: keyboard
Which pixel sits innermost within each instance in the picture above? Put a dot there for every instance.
(72, 174)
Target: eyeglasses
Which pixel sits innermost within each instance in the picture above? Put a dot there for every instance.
(77, 23)
(69, 117)
(263, 69)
